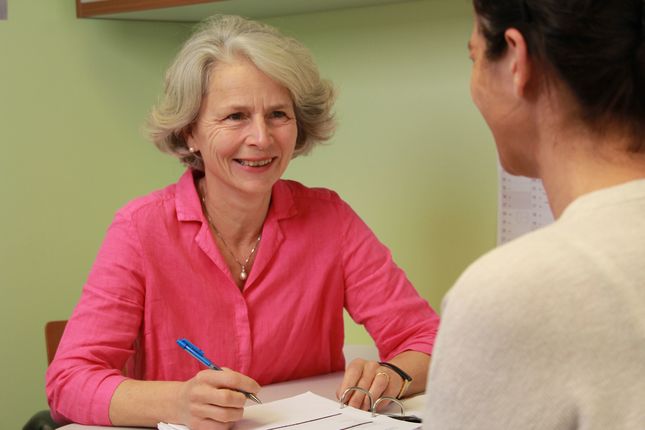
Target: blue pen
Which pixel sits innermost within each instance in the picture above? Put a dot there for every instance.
(199, 355)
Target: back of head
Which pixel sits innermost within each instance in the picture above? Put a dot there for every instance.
(595, 47)
(221, 38)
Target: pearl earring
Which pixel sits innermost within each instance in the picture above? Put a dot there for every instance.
(192, 150)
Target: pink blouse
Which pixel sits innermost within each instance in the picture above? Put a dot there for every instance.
(159, 277)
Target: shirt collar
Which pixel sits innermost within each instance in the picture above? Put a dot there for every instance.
(189, 207)
(187, 201)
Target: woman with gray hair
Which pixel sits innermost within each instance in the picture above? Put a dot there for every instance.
(254, 269)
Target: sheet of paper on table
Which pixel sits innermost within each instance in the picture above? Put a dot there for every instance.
(309, 411)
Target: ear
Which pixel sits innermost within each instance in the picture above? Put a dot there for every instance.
(519, 63)
(187, 134)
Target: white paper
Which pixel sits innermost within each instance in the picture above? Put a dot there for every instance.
(166, 426)
(522, 206)
(311, 412)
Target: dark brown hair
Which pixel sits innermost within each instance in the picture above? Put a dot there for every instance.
(596, 47)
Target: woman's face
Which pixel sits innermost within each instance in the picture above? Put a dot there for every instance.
(493, 92)
(246, 129)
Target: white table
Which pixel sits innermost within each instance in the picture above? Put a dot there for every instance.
(323, 385)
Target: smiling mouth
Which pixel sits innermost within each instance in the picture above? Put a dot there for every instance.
(255, 163)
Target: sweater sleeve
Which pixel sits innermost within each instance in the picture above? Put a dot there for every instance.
(100, 335)
(379, 295)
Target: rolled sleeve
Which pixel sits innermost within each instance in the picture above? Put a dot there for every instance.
(100, 335)
(379, 295)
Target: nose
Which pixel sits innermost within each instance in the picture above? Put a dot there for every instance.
(259, 134)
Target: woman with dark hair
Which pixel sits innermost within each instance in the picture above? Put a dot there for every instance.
(548, 331)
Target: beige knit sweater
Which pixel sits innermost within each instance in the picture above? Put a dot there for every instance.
(548, 331)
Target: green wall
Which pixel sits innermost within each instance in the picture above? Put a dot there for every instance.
(411, 154)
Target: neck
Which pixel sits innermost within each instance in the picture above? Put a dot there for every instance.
(575, 162)
(238, 218)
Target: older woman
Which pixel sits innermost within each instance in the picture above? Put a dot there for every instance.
(253, 269)
(548, 331)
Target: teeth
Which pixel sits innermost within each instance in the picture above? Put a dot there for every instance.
(259, 163)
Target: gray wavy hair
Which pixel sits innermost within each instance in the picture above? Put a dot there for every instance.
(220, 38)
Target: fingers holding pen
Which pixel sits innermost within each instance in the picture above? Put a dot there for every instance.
(210, 399)
(232, 380)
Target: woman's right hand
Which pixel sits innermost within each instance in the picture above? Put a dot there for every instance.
(208, 400)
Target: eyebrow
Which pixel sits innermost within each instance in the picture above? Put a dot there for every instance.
(469, 46)
(235, 107)
(281, 106)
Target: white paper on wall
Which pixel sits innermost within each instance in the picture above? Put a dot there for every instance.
(522, 206)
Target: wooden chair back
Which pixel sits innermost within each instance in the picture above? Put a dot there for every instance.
(53, 333)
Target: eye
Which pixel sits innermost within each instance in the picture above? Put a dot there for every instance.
(279, 115)
(237, 116)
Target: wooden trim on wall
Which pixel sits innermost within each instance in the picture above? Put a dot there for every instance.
(107, 7)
